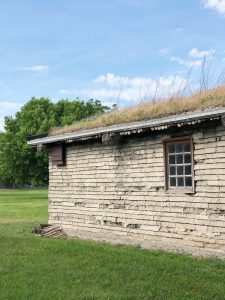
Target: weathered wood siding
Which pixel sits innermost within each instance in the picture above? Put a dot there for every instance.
(115, 192)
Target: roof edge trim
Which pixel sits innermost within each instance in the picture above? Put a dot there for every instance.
(139, 125)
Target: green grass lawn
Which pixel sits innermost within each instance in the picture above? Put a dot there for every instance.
(32, 267)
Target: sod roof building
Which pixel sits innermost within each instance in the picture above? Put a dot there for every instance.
(157, 183)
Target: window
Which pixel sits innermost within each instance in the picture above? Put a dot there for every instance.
(58, 155)
(179, 164)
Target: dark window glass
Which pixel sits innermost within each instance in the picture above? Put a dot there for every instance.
(179, 159)
(188, 181)
(172, 171)
(172, 159)
(171, 148)
(179, 148)
(180, 181)
(187, 158)
(187, 170)
(180, 170)
(172, 181)
(187, 147)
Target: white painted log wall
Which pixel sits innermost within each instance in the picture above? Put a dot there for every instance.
(115, 192)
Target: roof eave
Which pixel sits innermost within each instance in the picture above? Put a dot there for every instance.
(155, 124)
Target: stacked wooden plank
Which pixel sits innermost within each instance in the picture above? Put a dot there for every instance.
(48, 230)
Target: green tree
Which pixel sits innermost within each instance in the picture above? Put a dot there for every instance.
(68, 112)
(18, 163)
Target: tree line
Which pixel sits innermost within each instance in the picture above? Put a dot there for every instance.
(21, 165)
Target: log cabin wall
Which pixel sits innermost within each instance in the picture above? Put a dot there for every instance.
(115, 191)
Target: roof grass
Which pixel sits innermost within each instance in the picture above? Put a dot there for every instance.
(152, 109)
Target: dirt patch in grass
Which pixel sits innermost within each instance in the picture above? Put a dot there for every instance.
(14, 220)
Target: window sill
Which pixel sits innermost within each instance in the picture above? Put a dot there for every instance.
(179, 191)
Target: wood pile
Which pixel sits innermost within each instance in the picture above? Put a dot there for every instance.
(48, 230)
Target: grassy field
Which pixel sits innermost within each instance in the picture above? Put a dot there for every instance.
(32, 267)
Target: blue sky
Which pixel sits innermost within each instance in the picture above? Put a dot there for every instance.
(117, 51)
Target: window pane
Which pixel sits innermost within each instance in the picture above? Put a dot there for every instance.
(187, 170)
(180, 181)
(172, 159)
(171, 148)
(187, 158)
(179, 148)
(172, 181)
(179, 164)
(179, 159)
(187, 147)
(172, 171)
(188, 181)
(180, 170)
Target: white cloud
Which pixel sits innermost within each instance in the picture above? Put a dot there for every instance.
(9, 106)
(218, 5)
(223, 60)
(135, 82)
(2, 122)
(196, 58)
(129, 89)
(164, 51)
(187, 63)
(37, 69)
(201, 54)
(180, 29)
(112, 80)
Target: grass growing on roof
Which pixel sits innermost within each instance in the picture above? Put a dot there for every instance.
(42, 268)
(207, 99)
